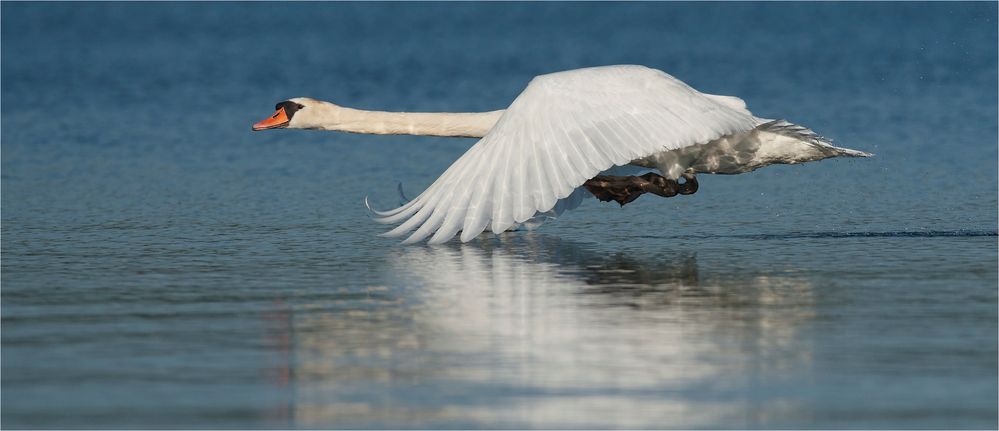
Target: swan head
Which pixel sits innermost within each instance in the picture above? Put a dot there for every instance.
(297, 113)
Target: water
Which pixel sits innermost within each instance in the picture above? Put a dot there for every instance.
(165, 267)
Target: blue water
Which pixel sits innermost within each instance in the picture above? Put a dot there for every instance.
(163, 266)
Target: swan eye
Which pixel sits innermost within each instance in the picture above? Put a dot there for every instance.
(300, 106)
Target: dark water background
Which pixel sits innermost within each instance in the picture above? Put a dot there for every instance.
(165, 267)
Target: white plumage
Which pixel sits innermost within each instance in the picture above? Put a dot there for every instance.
(566, 128)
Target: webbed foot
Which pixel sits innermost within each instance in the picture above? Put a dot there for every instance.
(689, 185)
(626, 189)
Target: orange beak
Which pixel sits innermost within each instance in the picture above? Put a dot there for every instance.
(276, 121)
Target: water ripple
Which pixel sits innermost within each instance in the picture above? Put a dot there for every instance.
(887, 234)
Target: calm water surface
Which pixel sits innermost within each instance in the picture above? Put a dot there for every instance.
(165, 267)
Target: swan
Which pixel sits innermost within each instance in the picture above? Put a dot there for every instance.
(567, 136)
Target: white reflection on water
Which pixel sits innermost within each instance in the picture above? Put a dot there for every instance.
(531, 331)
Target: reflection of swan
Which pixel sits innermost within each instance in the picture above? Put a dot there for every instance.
(531, 331)
(559, 135)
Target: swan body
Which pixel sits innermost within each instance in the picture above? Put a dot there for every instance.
(562, 130)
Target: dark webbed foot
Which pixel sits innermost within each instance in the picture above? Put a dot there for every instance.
(626, 189)
(689, 185)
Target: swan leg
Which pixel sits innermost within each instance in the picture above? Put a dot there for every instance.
(624, 190)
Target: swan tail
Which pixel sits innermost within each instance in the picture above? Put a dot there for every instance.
(802, 133)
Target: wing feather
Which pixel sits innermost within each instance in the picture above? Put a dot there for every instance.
(563, 129)
(480, 202)
(434, 201)
(461, 202)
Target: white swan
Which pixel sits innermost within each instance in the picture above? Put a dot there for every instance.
(545, 152)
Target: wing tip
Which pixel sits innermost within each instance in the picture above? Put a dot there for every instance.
(373, 213)
(403, 201)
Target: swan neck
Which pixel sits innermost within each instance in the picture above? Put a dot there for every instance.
(460, 124)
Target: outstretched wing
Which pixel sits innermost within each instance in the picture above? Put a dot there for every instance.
(564, 129)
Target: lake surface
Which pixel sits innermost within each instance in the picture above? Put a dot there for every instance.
(163, 266)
